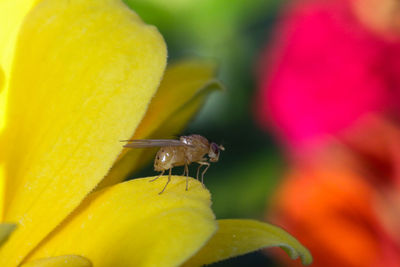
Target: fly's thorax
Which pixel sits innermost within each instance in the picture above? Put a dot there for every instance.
(195, 140)
(199, 146)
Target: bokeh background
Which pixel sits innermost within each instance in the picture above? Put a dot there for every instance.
(297, 83)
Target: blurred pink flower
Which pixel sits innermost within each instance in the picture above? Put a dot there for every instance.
(325, 71)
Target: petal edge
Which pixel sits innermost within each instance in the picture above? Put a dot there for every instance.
(141, 227)
(60, 261)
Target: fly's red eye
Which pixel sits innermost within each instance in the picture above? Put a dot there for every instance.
(215, 148)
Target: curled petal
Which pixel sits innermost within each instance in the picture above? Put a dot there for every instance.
(183, 91)
(238, 237)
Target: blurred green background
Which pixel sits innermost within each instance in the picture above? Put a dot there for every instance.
(234, 33)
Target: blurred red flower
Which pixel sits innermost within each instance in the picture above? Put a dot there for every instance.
(330, 90)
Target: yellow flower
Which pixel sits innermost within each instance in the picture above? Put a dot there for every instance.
(77, 76)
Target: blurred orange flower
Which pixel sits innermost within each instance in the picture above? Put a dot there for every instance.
(343, 202)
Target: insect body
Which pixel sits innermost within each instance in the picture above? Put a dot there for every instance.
(182, 152)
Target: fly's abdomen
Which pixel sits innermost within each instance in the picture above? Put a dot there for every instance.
(169, 157)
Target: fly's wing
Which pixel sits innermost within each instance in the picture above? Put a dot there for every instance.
(141, 143)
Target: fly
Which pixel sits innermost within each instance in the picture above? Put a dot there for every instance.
(182, 152)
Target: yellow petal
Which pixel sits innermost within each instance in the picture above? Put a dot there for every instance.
(12, 14)
(2, 99)
(60, 261)
(2, 187)
(130, 224)
(238, 237)
(84, 74)
(182, 92)
(2, 113)
(5, 231)
(2, 79)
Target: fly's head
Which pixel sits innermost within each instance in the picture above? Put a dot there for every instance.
(214, 151)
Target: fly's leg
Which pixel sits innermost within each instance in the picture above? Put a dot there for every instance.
(202, 174)
(187, 176)
(169, 179)
(201, 162)
(204, 171)
(184, 171)
(198, 171)
(161, 174)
